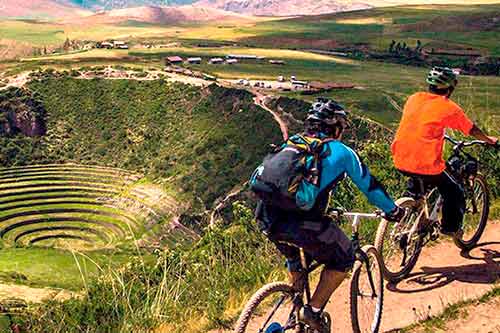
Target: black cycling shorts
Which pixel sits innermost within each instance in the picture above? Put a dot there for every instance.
(321, 239)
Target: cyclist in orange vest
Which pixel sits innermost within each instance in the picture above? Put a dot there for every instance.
(417, 149)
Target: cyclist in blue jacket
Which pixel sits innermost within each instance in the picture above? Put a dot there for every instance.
(310, 229)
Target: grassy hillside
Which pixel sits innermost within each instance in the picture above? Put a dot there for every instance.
(199, 143)
(382, 86)
(449, 26)
(437, 26)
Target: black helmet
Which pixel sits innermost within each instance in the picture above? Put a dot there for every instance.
(326, 115)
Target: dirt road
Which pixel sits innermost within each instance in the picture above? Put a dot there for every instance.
(259, 100)
(30, 294)
(17, 81)
(478, 317)
(443, 276)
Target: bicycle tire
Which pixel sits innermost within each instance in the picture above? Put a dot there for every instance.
(381, 239)
(372, 252)
(257, 299)
(469, 244)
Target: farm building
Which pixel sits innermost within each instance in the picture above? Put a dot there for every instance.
(244, 57)
(194, 60)
(299, 83)
(174, 60)
(215, 61)
(118, 44)
(276, 62)
(231, 61)
(105, 45)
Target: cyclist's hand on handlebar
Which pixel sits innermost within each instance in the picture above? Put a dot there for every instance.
(396, 215)
(493, 141)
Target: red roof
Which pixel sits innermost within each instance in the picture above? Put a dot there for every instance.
(174, 59)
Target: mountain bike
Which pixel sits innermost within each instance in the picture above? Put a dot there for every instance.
(275, 307)
(400, 244)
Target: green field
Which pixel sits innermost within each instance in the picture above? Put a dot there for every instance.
(448, 26)
(175, 150)
(437, 26)
(380, 84)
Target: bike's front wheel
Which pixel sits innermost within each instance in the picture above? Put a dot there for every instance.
(271, 309)
(477, 205)
(367, 292)
(400, 244)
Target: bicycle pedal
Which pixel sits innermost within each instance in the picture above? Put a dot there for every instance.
(434, 235)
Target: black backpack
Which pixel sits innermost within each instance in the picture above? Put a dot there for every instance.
(288, 177)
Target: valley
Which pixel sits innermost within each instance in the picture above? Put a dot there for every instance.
(123, 171)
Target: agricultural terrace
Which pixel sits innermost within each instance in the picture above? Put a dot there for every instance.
(51, 214)
(94, 207)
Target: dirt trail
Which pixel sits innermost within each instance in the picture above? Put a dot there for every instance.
(29, 294)
(17, 81)
(443, 276)
(473, 318)
(259, 101)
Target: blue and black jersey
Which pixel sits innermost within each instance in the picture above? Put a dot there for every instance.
(341, 161)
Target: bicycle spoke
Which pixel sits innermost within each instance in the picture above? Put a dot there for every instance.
(277, 310)
(476, 205)
(282, 298)
(368, 296)
(400, 246)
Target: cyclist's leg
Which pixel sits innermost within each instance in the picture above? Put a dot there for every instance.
(293, 264)
(331, 247)
(275, 225)
(329, 281)
(323, 241)
(453, 203)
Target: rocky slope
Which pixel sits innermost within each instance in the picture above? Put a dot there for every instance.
(283, 7)
(21, 113)
(160, 15)
(40, 9)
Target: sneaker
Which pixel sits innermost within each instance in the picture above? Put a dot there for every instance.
(311, 318)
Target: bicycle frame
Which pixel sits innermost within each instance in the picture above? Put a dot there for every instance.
(426, 214)
(360, 255)
(432, 214)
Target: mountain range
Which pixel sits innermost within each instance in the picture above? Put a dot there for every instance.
(164, 15)
(75, 8)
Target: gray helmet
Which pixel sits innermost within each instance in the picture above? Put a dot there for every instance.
(442, 77)
(327, 113)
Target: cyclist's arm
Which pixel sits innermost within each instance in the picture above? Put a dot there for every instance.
(368, 184)
(458, 120)
(480, 135)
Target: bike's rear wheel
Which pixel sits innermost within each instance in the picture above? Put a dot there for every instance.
(270, 305)
(398, 248)
(366, 299)
(476, 212)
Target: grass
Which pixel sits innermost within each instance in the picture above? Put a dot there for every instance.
(47, 267)
(374, 28)
(380, 83)
(377, 27)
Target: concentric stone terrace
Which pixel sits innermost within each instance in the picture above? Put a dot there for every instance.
(88, 206)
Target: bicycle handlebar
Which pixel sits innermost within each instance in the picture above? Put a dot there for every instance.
(338, 213)
(462, 144)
